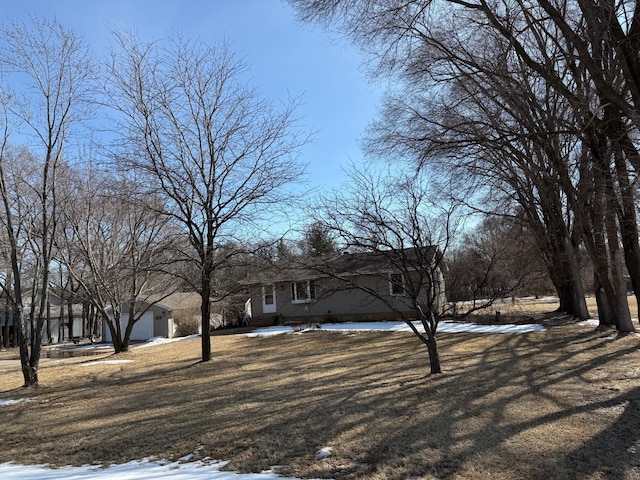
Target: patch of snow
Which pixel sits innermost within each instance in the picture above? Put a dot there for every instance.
(4, 403)
(399, 326)
(323, 453)
(189, 456)
(137, 470)
(162, 340)
(589, 323)
(105, 362)
(268, 331)
(452, 327)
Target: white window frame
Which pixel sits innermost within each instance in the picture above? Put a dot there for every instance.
(309, 293)
(394, 283)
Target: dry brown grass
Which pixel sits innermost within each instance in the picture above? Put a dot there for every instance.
(563, 404)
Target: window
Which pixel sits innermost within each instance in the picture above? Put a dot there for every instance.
(303, 291)
(269, 299)
(396, 284)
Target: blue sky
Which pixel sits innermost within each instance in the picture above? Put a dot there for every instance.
(286, 58)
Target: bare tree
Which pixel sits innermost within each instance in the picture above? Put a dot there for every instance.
(117, 249)
(54, 65)
(394, 218)
(219, 154)
(496, 259)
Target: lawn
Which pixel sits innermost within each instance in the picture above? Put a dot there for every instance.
(561, 403)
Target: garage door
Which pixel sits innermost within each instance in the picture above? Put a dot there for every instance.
(142, 330)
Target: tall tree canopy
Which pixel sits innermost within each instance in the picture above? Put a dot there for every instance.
(55, 66)
(220, 155)
(534, 103)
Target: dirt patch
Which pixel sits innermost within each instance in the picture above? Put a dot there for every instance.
(563, 403)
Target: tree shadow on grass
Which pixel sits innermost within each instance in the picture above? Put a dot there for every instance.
(498, 409)
(493, 410)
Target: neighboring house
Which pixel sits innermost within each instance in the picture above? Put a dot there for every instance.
(155, 320)
(55, 329)
(332, 289)
(159, 318)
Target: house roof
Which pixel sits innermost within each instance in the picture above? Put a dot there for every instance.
(346, 264)
(180, 300)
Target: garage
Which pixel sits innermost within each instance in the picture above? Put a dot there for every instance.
(142, 330)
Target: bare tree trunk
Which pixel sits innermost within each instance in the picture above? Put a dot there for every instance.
(29, 373)
(94, 321)
(70, 316)
(565, 275)
(60, 326)
(619, 300)
(49, 339)
(118, 344)
(605, 314)
(85, 333)
(116, 332)
(205, 295)
(8, 313)
(434, 356)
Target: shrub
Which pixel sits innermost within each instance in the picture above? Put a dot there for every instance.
(185, 327)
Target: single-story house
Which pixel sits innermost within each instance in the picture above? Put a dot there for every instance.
(363, 286)
(55, 328)
(160, 315)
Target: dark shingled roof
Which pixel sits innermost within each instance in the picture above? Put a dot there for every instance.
(346, 264)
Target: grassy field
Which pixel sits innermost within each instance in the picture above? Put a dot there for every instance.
(563, 403)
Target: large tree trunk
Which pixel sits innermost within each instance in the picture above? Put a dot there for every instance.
(565, 275)
(60, 326)
(428, 318)
(554, 240)
(130, 324)
(29, 374)
(600, 231)
(116, 331)
(205, 310)
(605, 313)
(619, 300)
(434, 356)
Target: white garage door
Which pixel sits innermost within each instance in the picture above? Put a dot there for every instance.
(142, 330)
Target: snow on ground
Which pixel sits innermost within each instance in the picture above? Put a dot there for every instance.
(138, 470)
(13, 402)
(399, 326)
(592, 322)
(160, 340)
(104, 362)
